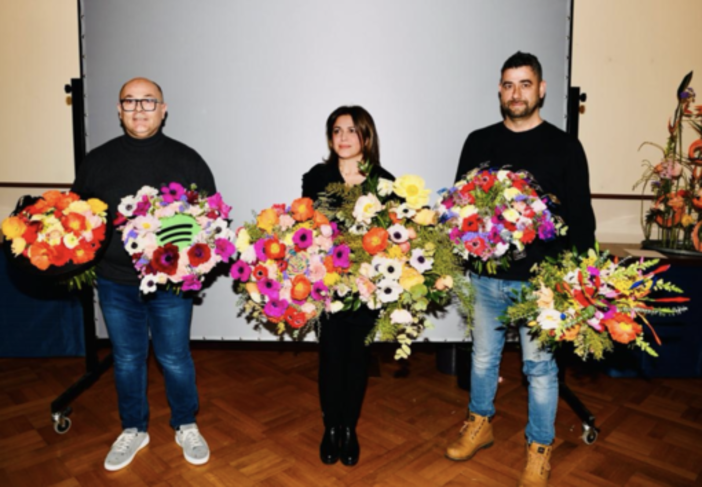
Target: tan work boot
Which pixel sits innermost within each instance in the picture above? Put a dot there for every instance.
(475, 434)
(537, 468)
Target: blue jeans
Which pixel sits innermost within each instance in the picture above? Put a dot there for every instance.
(492, 297)
(129, 318)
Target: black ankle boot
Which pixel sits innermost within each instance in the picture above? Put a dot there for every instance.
(350, 450)
(329, 449)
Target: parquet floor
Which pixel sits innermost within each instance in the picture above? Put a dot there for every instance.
(260, 415)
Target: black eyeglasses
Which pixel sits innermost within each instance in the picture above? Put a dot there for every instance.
(147, 104)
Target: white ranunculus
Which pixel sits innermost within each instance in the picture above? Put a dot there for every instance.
(366, 208)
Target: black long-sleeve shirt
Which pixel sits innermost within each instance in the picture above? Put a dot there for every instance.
(558, 163)
(120, 168)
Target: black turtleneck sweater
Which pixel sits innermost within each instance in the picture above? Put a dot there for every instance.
(557, 162)
(120, 168)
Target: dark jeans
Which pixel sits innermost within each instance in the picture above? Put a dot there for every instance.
(343, 365)
(129, 318)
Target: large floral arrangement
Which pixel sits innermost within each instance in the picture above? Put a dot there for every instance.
(674, 221)
(58, 232)
(492, 215)
(593, 300)
(401, 258)
(290, 260)
(175, 235)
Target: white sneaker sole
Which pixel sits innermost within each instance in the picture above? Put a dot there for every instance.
(113, 468)
(192, 460)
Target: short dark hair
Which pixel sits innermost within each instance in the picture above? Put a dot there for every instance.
(520, 59)
(365, 125)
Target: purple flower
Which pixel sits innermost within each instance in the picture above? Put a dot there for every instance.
(269, 287)
(319, 291)
(275, 308)
(215, 202)
(495, 237)
(191, 283)
(142, 208)
(593, 271)
(224, 248)
(340, 256)
(240, 271)
(335, 230)
(455, 234)
(172, 192)
(547, 231)
(303, 238)
(260, 251)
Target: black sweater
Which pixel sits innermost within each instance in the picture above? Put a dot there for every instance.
(558, 163)
(120, 168)
(321, 175)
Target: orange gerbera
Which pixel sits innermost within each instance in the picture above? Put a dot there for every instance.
(82, 253)
(622, 328)
(301, 288)
(375, 240)
(570, 334)
(320, 219)
(302, 209)
(74, 222)
(329, 263)
(39, 255)
(274, 249)
(267, 219)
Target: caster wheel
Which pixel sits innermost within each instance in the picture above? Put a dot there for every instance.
(589, 434)
(61, 422)
(62, 425)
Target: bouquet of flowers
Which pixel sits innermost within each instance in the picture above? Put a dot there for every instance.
(674, 221)
(592, 301)
(175, 235)
(401, 258)
(290, 260)
(489, 212)
(57, 234)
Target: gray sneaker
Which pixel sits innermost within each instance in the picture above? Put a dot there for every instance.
(195, 449)
(125, 448)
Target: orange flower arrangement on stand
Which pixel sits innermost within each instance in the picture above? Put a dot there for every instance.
(672, 222)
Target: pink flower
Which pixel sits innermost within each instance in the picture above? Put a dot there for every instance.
(172, 192)
(317, 270)
(319, 291)
(303, 238)
(224, 248)
(215, 202)
(240, 271)
(191, 283)
(365, 287)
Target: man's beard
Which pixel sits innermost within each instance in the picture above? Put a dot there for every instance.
(525, 111)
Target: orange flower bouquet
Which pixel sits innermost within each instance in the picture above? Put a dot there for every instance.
(673, 223)
(57, 234)
(593, 300)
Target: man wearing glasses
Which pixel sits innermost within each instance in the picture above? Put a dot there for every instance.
(120, 167)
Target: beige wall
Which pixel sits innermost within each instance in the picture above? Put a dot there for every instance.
(39, 55)
(629, 56)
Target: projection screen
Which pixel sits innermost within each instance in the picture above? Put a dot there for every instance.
(249, 85)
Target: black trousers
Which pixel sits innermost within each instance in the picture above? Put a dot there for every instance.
(343, 365)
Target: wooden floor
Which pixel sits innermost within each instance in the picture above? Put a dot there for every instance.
(260, 415)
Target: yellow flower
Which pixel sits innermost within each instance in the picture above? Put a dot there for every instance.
(243, 240)
(467, 211)
(425, 217)
(253, 291)
(13, 227)
(510, 215)
(267, 219)
(331, 278)
(18, 245)
(395, 252)
(687, 220)
(511, 193)
(411, 188)
(79, 206)
(410, 277)
(97, 206)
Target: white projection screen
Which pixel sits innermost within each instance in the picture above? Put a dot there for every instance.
(249, 85)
